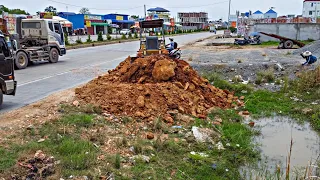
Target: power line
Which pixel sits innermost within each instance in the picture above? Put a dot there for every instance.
(92, 7)
(197, 6)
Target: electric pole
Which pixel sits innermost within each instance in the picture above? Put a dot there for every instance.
(145, 13)
(229, 14)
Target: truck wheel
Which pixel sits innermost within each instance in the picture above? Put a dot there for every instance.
(1, 97)
(21, 60)
(54, 55)
(288, 44)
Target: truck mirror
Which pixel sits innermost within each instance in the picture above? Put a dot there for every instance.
(15, 45)
(2, 57)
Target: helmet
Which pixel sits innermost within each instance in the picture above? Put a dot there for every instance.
(307, 53)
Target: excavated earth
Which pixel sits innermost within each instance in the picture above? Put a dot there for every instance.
(152, 86)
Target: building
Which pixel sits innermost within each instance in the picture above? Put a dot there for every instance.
(195, 19)
(270, 14)
(122, 20)
(159, 13)
(311, 8)
(95, 23)
(257, 15)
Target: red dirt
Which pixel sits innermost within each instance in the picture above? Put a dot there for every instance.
(152, 86)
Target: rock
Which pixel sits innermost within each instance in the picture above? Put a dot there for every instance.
(76, 103)
(168, 119)
(140, 101)
(251, 124)
(217, 123)
(307, 111)
(218, 119)
(30, 127)
(41, 140)
(242, 98)
(192, 87)
(246, 113)
(205, 134)
(101, 157)
(163, 70)
(184, 118)
(39, 155)
(164, 137)
(150, 135)
(140, 114)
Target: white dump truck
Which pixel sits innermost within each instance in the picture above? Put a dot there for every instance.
(37, 40)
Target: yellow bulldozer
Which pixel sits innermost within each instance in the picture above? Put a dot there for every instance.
(152, 44)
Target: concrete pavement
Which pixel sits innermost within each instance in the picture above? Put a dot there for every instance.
(77, 67)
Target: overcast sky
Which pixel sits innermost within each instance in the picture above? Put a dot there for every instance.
(216, 8)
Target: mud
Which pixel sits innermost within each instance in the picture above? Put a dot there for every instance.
(152, 86)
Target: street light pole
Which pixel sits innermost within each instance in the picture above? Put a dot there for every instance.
(229, 14)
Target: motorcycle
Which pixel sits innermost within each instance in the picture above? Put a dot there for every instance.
(252, 41)
(176, 53)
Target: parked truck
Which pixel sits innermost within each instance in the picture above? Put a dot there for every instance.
(37, 40)
(8, 84)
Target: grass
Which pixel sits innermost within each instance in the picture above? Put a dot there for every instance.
(265, 76)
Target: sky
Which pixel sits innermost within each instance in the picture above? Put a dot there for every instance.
(215, 8)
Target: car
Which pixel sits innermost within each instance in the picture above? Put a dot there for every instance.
(125, 31)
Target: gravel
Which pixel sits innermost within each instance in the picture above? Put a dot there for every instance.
(314, 47)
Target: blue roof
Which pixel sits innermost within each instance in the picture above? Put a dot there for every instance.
(122, 21)
(117, 14)
(271, 12)
(66, 13)
(258, 12)
(158, 9)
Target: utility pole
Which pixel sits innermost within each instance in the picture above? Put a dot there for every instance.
(229, 14)
(145, 12)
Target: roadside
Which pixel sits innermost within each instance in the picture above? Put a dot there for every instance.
(94, 135)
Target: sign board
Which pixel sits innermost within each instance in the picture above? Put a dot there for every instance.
(119, 18)
(46, 15)
(92, 17)
(11, 22)
(88, 24)
(149, 18)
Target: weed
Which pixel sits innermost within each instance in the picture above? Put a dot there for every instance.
(278, 82)
(270, 43)
(109, 37)
(266, 75)
(307, 80)
(127, 119)
(79, 41)
(258, 80)
(8, 159)
(122, 142)
(136, 35)
(117, 162)
(130, 35)
(315, 120)
(80, 120)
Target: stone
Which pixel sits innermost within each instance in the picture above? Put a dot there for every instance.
(39, 155)
(184, 118)
(140, 101)
(150, 135)
(140, 114)
(246, 113)
(76, 103)
(168, 119)
(217, 123)
(307, 111)
(164, 137)
(163, 70)
(241, 97)
(205, 134)
(192, 87)
(41, 140)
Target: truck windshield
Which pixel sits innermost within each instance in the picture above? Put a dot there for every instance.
(4, 47)
(31, 25)
(57, 28)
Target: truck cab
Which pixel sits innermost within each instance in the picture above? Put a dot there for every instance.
(38, 40)
(8, 84)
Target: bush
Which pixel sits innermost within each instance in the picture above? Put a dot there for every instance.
(136, 35)
(89, 38)
(123, 36)
(100, 38)
(233, 30)
(66, 39)
(79, 41)
(130, 35)
(109, 37)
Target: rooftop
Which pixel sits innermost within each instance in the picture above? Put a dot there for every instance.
(158, 9)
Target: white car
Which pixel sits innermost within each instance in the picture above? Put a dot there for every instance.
(125, 31)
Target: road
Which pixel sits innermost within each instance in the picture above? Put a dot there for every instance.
(77, 67)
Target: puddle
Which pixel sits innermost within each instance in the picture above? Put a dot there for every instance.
(274, 141)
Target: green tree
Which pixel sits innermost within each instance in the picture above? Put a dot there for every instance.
(66, 39)
(12, 11)
(134, 17)
(84, 11)
(89, 38)
(51, 9)
(100, 38)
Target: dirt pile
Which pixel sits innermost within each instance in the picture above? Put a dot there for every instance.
(152, 86)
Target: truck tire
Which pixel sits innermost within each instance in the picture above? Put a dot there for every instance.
(54, 55)
(288, 44)
(1, 97)
(21, 61)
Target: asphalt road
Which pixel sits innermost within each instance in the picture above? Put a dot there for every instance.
(77, 67)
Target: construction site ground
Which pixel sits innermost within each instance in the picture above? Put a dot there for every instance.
(157, 119)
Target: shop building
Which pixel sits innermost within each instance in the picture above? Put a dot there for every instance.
(92, 23)
(159, 13)
(122, 20)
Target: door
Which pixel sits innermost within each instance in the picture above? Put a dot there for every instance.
(6, 62)
(58, 30)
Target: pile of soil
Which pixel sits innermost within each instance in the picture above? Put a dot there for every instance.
(151, 86)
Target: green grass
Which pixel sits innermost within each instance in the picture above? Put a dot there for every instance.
(270, 43)
(265, 76)
(80, 120)
(7, 160)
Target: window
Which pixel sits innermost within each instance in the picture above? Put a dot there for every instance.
(311, 4)
(50, 26)
(57, 28)
(31, 25)
(310, 12)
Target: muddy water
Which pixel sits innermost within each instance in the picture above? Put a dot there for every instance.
(275, 140)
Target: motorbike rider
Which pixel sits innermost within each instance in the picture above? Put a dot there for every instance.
(310, 59)
(172, 45)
